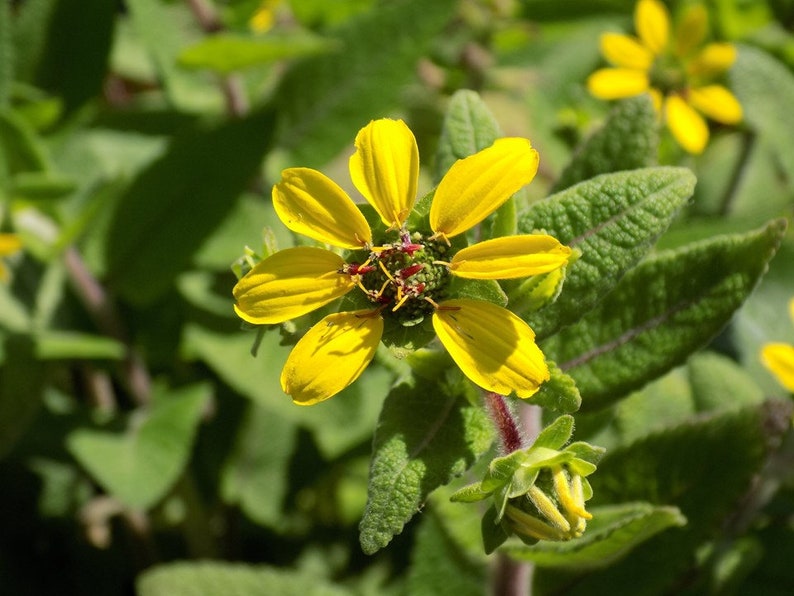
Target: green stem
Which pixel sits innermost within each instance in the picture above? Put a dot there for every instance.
(748, 143)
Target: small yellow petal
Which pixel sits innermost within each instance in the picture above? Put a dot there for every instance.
(716, 102)
(310, 203)
(478, 185)
(687, 126)
(625, 51)
(779, 359)
(510, 257)
(9, 244)
(385, 169)
(331, 356)
(713, 60)
(491, 345)
(691, 29)
(617, 83)
(290, 283)
(653, 25)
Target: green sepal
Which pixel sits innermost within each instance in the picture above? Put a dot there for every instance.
(471, 493)
(556, 434)
(493, 533)
(487, 290)
(559, 393)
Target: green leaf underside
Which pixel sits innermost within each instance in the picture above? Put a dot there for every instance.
(661, 312)
(213, 578)
(628, 140)
(139, 466)
(469, 127)
(613, 532)
(322, 99)
(614, 219)
(703, 467)
(177, 202)
(426, 435)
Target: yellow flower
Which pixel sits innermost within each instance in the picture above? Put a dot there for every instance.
(779, 358)
(402, 275)
(677, 73)
(9, 244)
(263, 18)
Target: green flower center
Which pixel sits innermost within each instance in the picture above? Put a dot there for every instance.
(668, 75)
(407, 278)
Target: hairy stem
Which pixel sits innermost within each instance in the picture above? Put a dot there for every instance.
(506, 423)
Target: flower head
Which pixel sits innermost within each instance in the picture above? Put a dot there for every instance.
(677, 72)
(402, 276)
(9, 244)
(779, 358)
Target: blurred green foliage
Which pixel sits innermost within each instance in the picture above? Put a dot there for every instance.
(144, 449)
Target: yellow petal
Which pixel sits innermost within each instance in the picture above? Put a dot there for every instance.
(491, 345)
(687, 126)
(9, 244)
(713, 60)
(385, 169)
(716, 102)
(290, 283)
(310, 203)
(478, 185)
(691, 29)
(625, 51)
(331, 356)
(653, 25)
(510, 257)
(779, 359)
(617, 83)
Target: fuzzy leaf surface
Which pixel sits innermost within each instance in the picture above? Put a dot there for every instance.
(660, 313)
(628, 140)
(424, 438)
(614, 219)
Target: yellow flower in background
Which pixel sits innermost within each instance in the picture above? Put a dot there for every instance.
(402, 274)
(9, 244)
(779, 358)
(677, 72)
(264, 17)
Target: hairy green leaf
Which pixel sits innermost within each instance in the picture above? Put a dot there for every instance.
(424, 438)
(139, 466)
(720, 383)
(614, 219)
(614, 531)
(177, 201)
(324, 100)
(660, 313)
(212, 578)
(628, 140)
(225, 52)
(469, 126)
